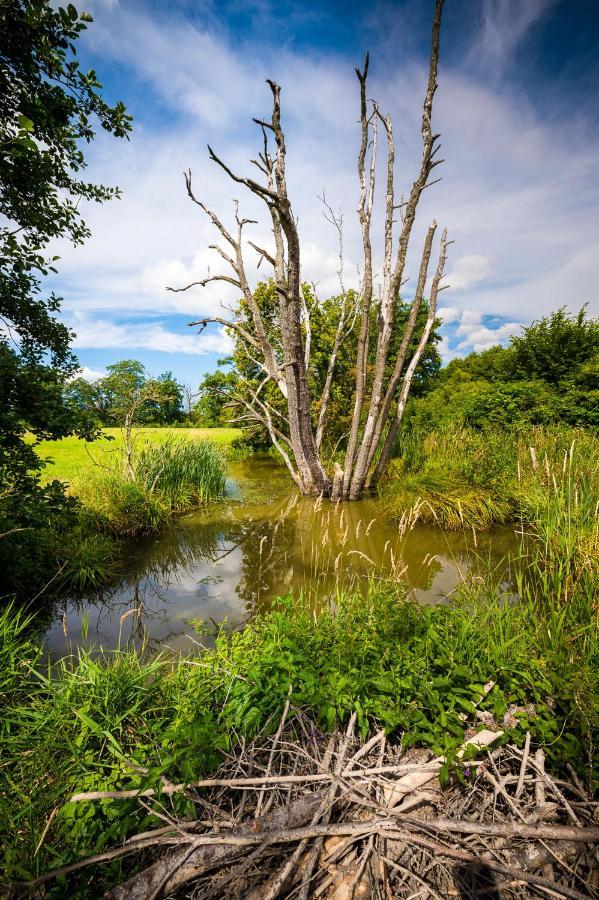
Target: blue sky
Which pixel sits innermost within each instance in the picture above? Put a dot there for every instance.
(516, 108)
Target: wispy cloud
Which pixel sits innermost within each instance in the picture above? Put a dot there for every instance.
(506, 22)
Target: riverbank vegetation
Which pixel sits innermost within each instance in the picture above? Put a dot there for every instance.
(109, 503)
(425, 674)
(471, 444)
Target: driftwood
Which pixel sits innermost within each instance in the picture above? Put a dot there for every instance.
(332, 817)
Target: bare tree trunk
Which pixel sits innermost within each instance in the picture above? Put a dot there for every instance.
(286, 362)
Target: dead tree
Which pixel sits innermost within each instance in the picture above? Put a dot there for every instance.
(380, 393)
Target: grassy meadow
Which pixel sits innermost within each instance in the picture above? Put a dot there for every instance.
(72, 458)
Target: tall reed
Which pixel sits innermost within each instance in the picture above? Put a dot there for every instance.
(182, 472)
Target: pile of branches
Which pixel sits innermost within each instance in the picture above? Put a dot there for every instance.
(302, 814)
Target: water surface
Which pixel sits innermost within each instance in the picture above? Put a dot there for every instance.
(232, 557)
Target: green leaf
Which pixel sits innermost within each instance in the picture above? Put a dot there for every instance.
(25, 124)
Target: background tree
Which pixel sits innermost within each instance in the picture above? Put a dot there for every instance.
(128, 393)
(548, 374)
(215, 398)
(554, 346)
(231, 393)
(49, 109)
(379, 390)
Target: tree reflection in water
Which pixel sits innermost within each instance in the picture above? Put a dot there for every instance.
(233, 557)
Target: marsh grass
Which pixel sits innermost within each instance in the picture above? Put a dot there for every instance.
(169, 477)
(183, 473)
(463, 478)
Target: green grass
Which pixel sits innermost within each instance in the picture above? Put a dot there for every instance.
(459, 477)
(417, 671)
(70, 458)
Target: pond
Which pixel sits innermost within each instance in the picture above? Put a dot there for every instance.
(231, 558)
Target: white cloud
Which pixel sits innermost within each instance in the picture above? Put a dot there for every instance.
(103, 334)
(448, 314)
(468, 271)
(90, 374)
(475, 335)
(518, 196)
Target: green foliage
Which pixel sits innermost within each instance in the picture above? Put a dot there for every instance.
(49, 109)
(453, 477)
(183, 472)
(555, 346)
(35, 521)
(547, 375)
(19, 653)
(211, 409)
(86, 559)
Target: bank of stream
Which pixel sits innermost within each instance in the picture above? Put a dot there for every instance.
(231, 558)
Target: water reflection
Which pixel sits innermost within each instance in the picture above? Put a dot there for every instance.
(231, 558)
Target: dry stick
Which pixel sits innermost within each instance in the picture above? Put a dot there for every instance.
(539, 764)
(412, 874)
(540, 780)
(316, 849)
(272, 753)
(386, 827)
(243, 866)
(518, 874)
(362, 866)
(318, 844)
(214, 850)
(242, 783)
(520, 785)
(500, 788)
(382, 826)
(178, 862)
(582, 835)
(45, 831)
(324, 810)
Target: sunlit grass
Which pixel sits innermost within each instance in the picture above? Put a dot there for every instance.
(72, 459)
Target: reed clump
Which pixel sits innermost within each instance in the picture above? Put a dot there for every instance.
(183, 473)
(459, 477)
(168, 478)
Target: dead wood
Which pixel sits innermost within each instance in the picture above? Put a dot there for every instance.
(350, 819)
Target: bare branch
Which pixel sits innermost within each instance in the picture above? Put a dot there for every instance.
(264, 254)
(407, 379)
(204, 282)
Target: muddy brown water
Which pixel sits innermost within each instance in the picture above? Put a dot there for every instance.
(233, 557)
